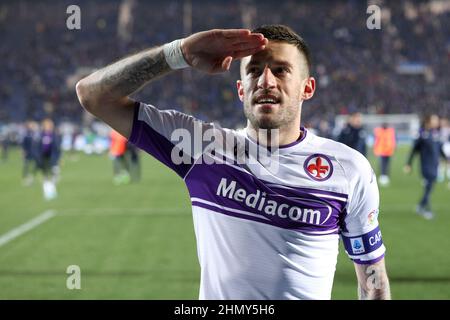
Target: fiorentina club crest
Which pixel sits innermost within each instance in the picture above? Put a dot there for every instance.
(318, 167)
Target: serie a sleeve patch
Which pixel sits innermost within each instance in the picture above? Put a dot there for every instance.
(363, 244)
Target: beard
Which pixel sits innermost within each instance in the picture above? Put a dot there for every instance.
(285, 116)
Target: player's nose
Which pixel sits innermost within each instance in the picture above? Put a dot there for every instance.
(267, 80)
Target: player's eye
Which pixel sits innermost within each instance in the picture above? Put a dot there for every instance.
(253, 71)
(280, 70)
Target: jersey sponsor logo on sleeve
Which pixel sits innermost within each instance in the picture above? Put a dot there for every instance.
(357, 245)
(372, 217)
(318, 167)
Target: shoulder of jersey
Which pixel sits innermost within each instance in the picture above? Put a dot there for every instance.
(346, 156)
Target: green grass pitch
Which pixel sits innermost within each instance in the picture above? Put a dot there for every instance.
(137, 241)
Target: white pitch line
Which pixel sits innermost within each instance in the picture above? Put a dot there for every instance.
(33, 223)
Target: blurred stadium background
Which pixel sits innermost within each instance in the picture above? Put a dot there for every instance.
(136, 241)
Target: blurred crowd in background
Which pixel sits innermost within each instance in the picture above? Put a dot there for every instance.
(401, 68)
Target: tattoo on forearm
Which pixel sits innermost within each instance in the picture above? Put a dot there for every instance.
(375, 285)
(128, 75)
(374, 294)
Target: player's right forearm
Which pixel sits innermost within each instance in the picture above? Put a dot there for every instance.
(122, 78)
(373, 282)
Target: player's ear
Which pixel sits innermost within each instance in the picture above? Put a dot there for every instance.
(309, 88)
(240, 90)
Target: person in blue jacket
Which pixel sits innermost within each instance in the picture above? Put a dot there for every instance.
(428, 145)
(354, 134)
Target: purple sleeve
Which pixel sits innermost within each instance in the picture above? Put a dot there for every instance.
(150, 132)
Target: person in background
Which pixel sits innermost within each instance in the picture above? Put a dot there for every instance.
(383, 148)
(4, 144)
(444, 167)
(428, 145)
(325, 129)
(117, 149)
(354, 135)
(48, 156)
(132, 161)
(29, 150)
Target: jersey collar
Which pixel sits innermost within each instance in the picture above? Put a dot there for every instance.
(287, 148)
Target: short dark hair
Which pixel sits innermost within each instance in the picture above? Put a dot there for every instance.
(282, 33)
(426, 118)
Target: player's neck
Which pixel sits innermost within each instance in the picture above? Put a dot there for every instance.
(275, 137)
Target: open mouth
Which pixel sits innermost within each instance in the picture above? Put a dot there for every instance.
(267, 100)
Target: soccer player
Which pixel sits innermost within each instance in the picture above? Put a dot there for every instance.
(267, 227)
(428, 144)
(48, 156)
